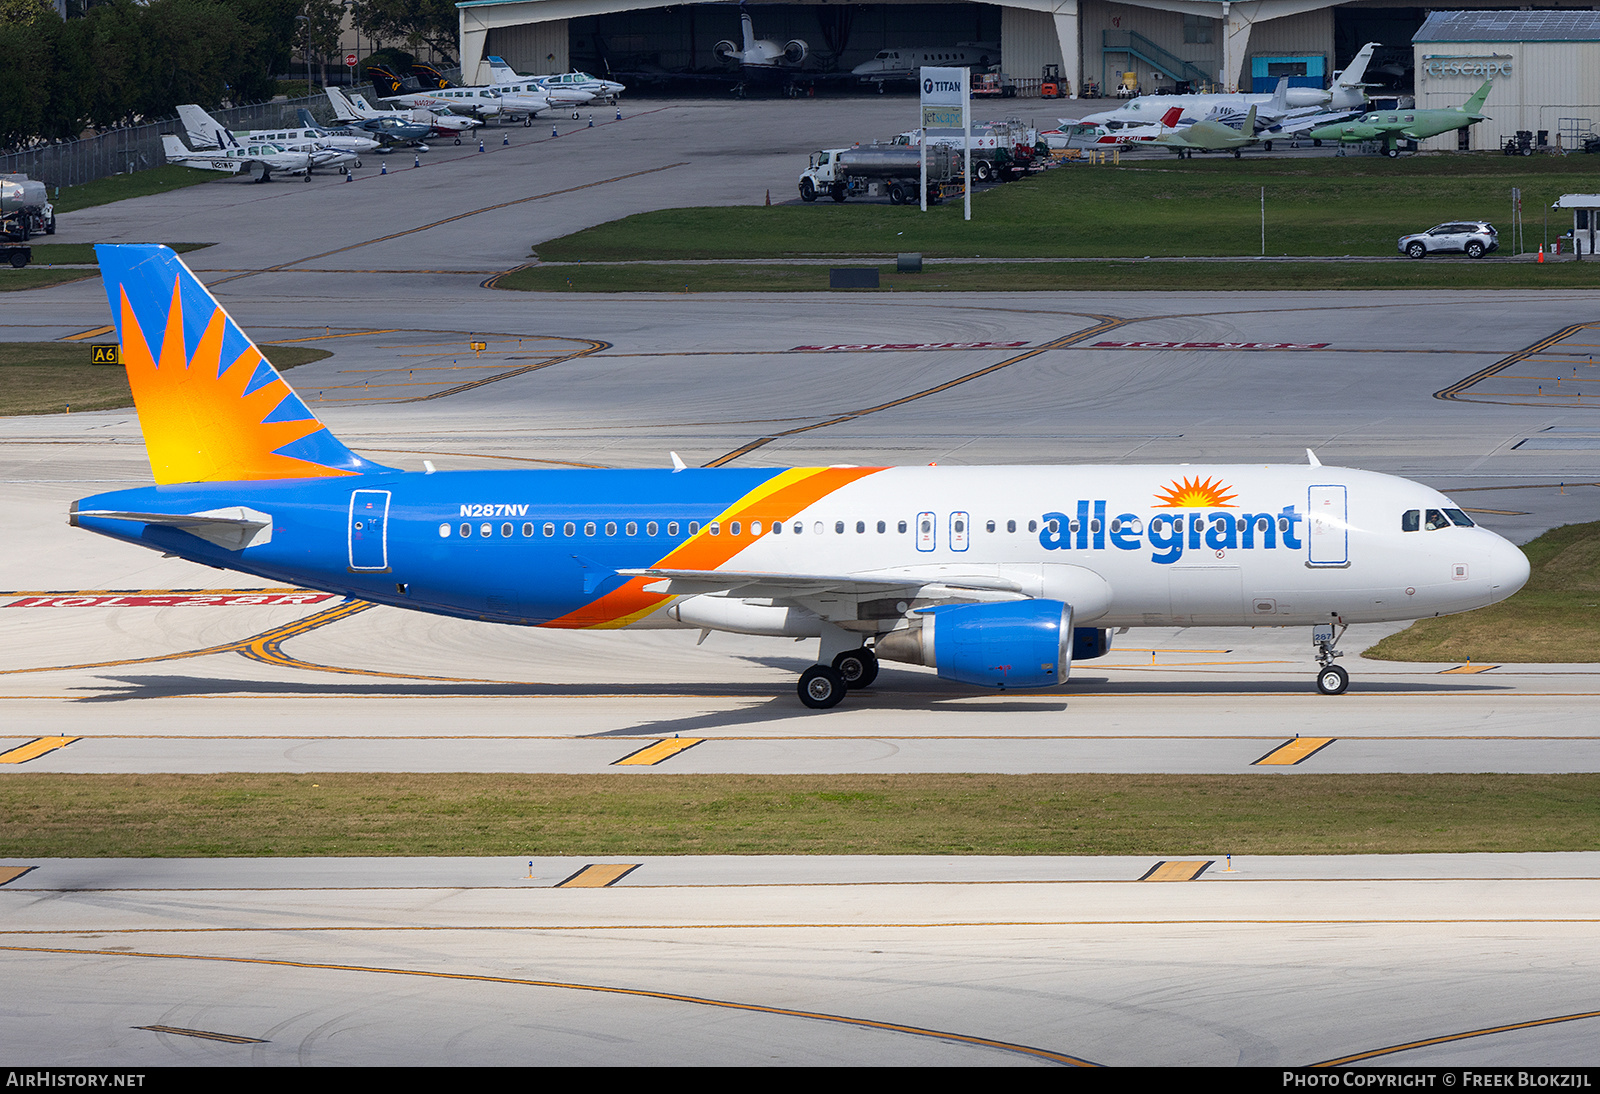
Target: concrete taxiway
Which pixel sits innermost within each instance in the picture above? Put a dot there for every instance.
(114, 659)
(1394, 960)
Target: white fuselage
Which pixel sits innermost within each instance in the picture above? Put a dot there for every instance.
(1173, 545)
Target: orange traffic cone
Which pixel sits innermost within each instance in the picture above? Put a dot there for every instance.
(1541, 254)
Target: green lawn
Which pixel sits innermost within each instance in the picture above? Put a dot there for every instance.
(1554, 619)
(1354, 205)
(55, 377)
(1065, 276)
(157, 180)
(663, 814)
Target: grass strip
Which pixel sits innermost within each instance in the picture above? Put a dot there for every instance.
(1161, 208)
(33, 277)
(55, 377)
(83, 253)
(1554, 619)
(1243, 276)
(661, 814)
(138, 184)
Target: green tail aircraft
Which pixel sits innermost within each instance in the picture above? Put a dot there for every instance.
(1392, 127)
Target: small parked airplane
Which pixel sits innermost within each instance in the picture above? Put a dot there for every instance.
(204, 132)
(761, 58)
(258, 161)
(997, 577)
(1393, 126)
(1211, 137)
(392, 126)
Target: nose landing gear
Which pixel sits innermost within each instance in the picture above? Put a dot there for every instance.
(1331, 679)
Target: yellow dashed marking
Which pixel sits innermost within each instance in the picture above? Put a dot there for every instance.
(95, 333)
(599, 875)
(1292, 752)
(655, 753)
(1468, 668)
(1177, 871)
(231, 1038)
(34, 749)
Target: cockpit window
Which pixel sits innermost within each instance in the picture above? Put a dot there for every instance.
(1411, 520)
(1436, 520)
(1458, 518)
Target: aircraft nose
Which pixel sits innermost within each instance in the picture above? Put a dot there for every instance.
(1507, 568)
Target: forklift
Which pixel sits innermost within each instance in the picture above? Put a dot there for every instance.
(1051, 85)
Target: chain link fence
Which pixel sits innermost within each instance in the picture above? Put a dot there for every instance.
(138, 148)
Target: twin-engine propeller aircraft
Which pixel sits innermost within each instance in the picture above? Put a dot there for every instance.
(997, 577)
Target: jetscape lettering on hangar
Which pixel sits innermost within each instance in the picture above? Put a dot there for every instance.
(1190, 524)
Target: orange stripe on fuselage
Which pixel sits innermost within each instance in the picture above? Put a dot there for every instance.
(777, 499)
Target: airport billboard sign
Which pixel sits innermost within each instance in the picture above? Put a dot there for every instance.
(944, 98)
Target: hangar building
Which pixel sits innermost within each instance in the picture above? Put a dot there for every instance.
(1203, 43)
(1544, 67)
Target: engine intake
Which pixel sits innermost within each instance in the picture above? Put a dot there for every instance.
(1016, 644)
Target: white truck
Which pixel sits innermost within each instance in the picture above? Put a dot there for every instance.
(881, 170)
(25, 209)
(1000, 150)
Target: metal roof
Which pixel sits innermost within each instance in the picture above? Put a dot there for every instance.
(1510, 26)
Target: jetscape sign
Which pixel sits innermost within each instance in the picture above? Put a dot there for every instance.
(1487, 67)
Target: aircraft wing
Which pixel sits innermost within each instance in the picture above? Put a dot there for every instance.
(796, 586)
(1296, 126)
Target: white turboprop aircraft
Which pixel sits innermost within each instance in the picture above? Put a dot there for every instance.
(259, 161)
(206, 132)
(1284, 104)
(354, 108)
(572, 93)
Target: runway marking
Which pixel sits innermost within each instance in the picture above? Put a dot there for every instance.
(1177, 871)
(1211, 345)
(1449, 1037)
(39, 746)
(1292, 752)
(164, 598)
(230, 1038)
(96, 332)
(1457, 390)
(598, 875)
(12, 873)
(1106, 323)
(655, 753)
(280, 267)
(1468, 668)
(640, 993)
(325, 337)
(594, 346)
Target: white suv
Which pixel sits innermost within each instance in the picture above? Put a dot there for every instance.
(1473, 238)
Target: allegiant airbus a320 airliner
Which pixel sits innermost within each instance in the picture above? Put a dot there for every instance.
(996, 576)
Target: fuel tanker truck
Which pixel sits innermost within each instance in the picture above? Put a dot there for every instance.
(24, 212)
(881, 170)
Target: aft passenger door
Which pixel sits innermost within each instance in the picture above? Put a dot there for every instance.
(368, 531)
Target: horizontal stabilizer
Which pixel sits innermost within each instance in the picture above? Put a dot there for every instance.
(232, 529)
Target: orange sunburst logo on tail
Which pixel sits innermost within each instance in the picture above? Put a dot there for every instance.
(1186, 493)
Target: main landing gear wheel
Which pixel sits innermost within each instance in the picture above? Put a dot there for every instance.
(859, 668)
(821, 687)
(1332, 680)
(458, 140)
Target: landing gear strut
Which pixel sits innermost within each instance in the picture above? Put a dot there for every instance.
(824, 686)
(1331, 678)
